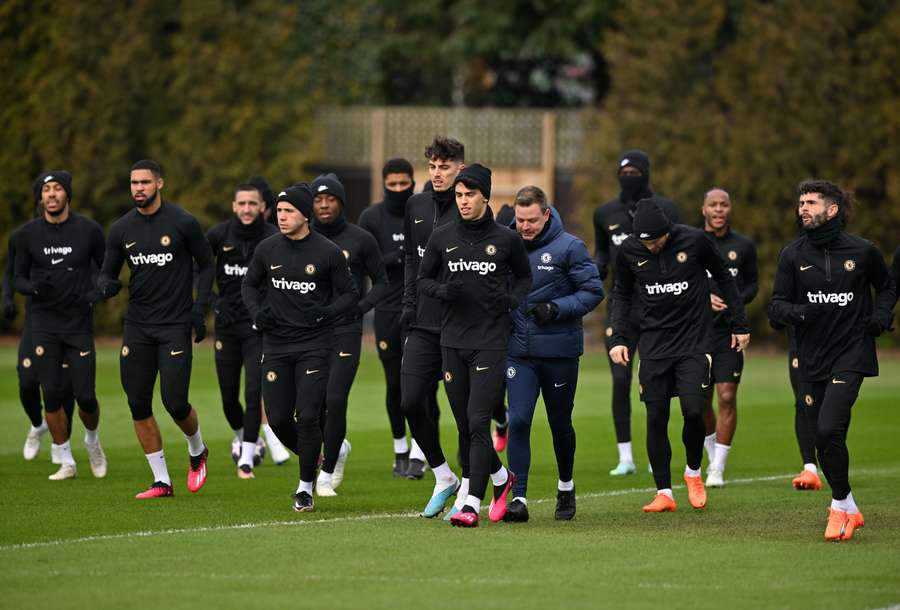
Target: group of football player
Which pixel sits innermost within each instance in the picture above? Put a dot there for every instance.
(488, 299)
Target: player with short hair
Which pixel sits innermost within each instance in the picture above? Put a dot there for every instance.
(612, 224)
(297, 285)
(545, 345)
(364, 259)
(57, 258)
(823, 288)
(739, 252)
(160, 242)
(664, 266)
(479, 271)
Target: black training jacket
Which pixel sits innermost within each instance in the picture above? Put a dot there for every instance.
(288, 279)
(387, 228)
(739, 253)
(672, 292)
(68, 255)
(233, 244)
(492, 264)
(160, 250)
(825, 293)
(364, 259)
(424, 213)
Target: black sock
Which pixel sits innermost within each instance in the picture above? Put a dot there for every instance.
(467, 509)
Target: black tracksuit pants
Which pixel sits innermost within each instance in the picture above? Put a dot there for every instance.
(344, 362)
(240, 347)
(419, 374)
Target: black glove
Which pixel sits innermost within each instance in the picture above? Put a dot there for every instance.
(503, 303)
(450, 291)
(264, 321)
(316, 315)
(109, 288)
(544, 313)
(43, 288)
(198, 322)
(874, 328)
(224, 317)
(86, 301)
(10, 310)
(813, 312)
(407, 317)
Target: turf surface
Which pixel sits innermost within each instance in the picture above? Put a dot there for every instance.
(88, 544)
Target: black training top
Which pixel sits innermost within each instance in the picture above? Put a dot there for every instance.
(825, 290)
(385, 223)
(288, 279)
(68, 256)
(672, 292)
(233, 244)
(739, 253)
(424, 213)
(613, 223)
(160, 250)
(492, 264)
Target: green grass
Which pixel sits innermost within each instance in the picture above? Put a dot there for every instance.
(237, 544)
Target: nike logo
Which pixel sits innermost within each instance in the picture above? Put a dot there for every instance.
(804, 268)
(344, 354)
(319, 319)
(559, 385)
(418, 220)
(174, 353)
(131, 244)
(452, 249)
(54, 261)
(736, 374)
(481, 368)
(310, 372)
(613, 227)
(837, 381)
(274, 267)
(703, 386)
(227, 248)
(642, 263)
(83, 354)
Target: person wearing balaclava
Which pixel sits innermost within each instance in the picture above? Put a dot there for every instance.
(384, 220)
(824, 289)
(662, 272)
(298, 285)
(366, 266)
(612, 224)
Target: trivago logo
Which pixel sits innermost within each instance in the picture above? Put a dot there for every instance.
(286, 284)
(234, 270)
(824, 298)
(618, 238)
(151, 259)
(58, 250)
(480, 267)
(675, 288)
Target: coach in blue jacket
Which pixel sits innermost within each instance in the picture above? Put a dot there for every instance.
(546, 342)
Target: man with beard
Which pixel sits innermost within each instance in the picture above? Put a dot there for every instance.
(728, 364)
(297, 284)
(823, 288)
(238, 344)
(57, 259)
(384, 221)
(364, 259)
(160, 242)
(612, 224)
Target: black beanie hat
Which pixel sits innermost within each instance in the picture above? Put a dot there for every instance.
(478, 174)
(329, 184)
(397, 166)
(300, 196)
(635, 158)
(262, 185)
(650, 222)
(61, 176)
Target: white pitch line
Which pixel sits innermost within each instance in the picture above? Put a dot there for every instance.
(357, 518)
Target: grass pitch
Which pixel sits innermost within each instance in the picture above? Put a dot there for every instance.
(88, 544)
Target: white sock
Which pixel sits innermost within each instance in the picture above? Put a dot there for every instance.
(443, 473)
(850, 503)
(473, 502)
(400, 445)
(271, 439)
(157, 461)
(505, 421)
(305, 486)
(90, 436)
(625, 452)
(344, 450)
(415, 453)
(690, 472)
(500, 477)
(195, 443)
(812, 468)
(461, 494)
(521, 499)
(565, 485)
(239, 434)
(40, 429)
(840, 505)
(721, 456)
(324, 478)
(64, 452)
(709, 443)
(666, 492)
(248, 450)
